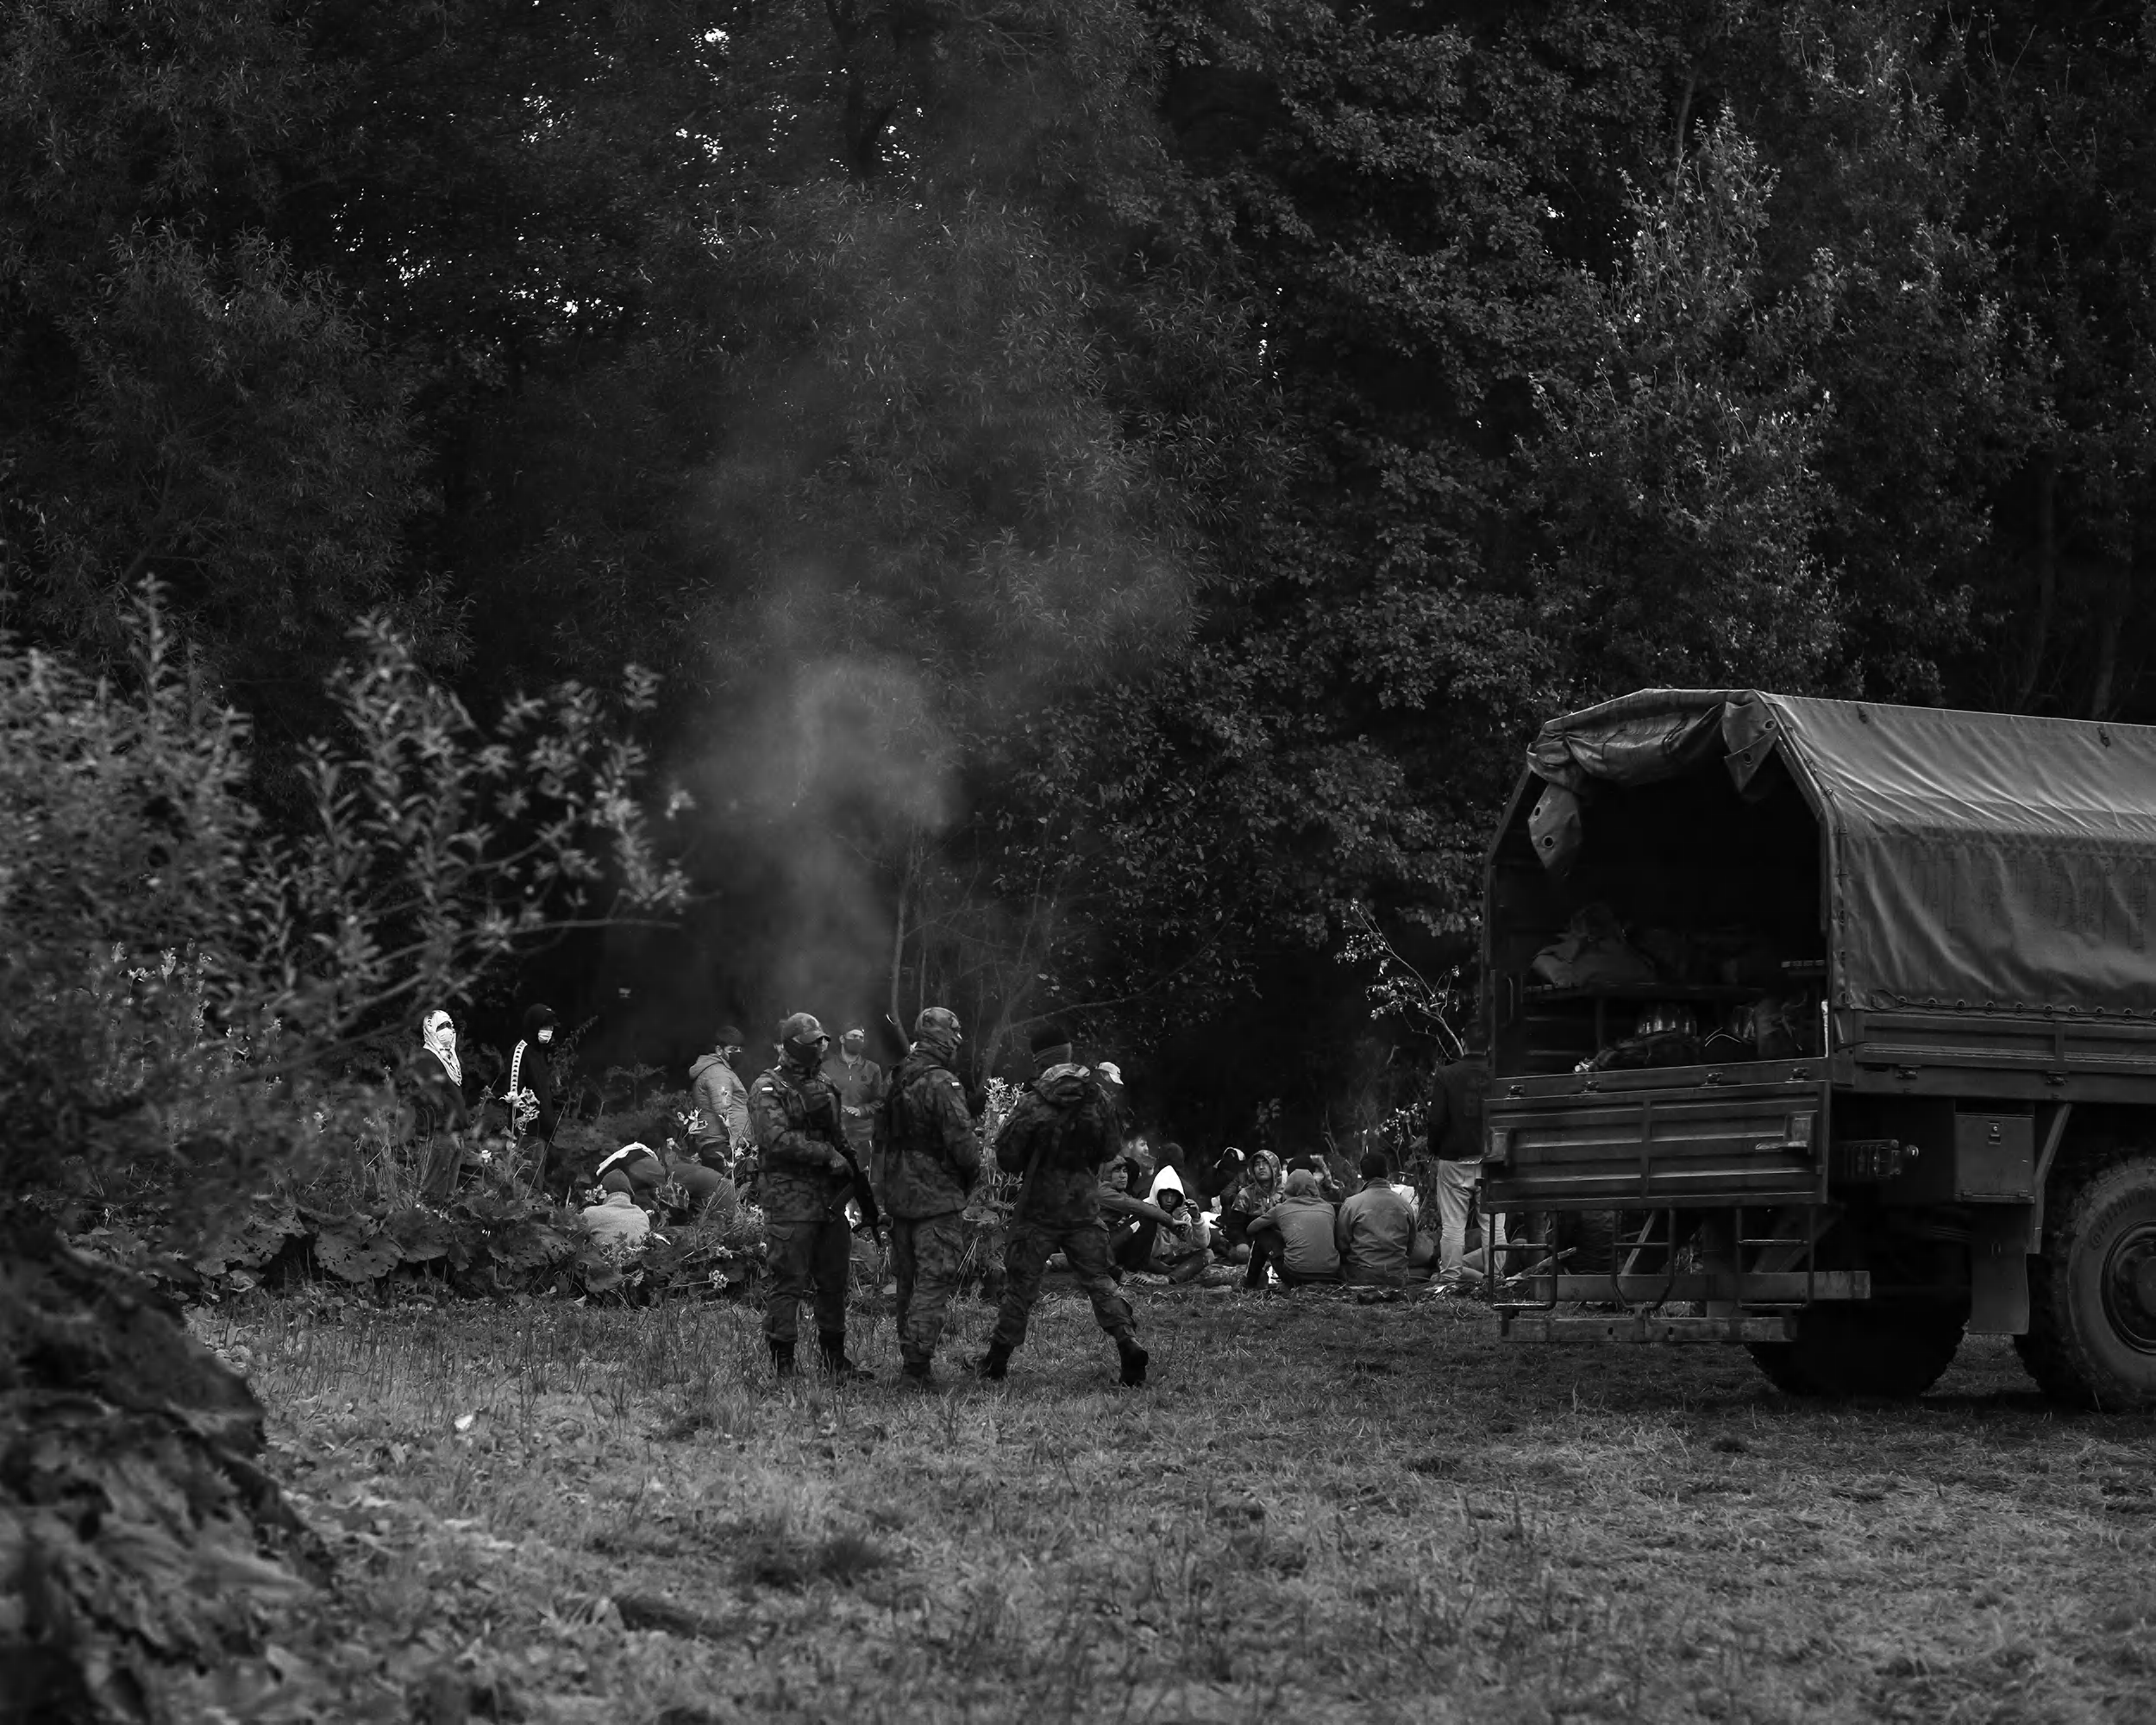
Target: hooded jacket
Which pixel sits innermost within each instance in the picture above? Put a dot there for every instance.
(932, 1153)
(1063, 1129)
(723, 1099)
(534, 1072)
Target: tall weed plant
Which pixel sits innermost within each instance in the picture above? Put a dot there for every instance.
(185, 987)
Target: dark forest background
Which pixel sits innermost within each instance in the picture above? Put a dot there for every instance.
(1110, 486)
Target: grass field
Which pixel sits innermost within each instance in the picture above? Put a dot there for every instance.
(1318, 1511)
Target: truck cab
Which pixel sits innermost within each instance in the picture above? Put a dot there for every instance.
(1828, 1028)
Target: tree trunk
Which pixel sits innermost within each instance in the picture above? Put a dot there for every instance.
(897, 942)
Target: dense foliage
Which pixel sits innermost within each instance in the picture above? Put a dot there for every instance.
(1111, 484)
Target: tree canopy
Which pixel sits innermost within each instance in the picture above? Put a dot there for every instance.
(1108, 485)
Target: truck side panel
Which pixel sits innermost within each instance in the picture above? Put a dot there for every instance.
(1700, 1136)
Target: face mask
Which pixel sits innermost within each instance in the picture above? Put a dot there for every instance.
(547, 1035)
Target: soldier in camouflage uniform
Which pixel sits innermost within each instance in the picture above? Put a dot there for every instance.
(1063, 1130)
(804, 1186)
(931, 1157)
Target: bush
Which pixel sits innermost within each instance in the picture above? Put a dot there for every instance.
(184, 990)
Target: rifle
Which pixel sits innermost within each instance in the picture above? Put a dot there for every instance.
(827, 1120)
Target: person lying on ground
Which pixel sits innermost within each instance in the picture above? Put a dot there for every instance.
(710, 1193)
(1296, 1236)
(1377, 1230)
(634, 1171)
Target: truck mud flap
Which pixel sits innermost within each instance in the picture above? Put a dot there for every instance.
(1648, 1139)
(1535, 1326)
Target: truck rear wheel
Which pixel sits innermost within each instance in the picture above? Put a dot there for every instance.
(1860, 1349)
(2092, 1338)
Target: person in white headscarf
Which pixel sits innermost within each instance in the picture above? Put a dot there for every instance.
(440, 1114)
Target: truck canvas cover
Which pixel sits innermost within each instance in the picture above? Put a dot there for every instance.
(1975, 861)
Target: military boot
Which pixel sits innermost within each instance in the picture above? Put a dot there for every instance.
(782, 1360)
(995, 1364)
(1134, 1360)
(835, 1360)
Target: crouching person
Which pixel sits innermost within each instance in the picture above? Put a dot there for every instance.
(805, 1183)
(930, 1157)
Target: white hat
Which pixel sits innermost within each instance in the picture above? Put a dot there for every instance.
(1111, 1071)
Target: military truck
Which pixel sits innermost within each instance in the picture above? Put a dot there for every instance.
(1828, 1028)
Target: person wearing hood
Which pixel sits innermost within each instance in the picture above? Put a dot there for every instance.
(929, 1155)
(1183, 1248)
(530, 1091)
(1257, 1191)
(440, 1114)
(803, 1185)
(1298, 1235)
(723, 1134)
(1061, 1133)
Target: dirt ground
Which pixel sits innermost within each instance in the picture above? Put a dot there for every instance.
(1318, 1511)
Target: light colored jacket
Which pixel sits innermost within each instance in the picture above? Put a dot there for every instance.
(723, 1099)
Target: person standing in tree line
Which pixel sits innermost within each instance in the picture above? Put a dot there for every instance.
(1064, 1130)
(531, 1073)
(803, 1185)
(930, 1157)
(1455, 1138)
(440, 1116)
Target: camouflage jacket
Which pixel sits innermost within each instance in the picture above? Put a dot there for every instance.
(804, 1175)
(1063, 1130)
(931, 1152)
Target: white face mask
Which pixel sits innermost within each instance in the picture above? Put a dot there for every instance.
(547, 1035)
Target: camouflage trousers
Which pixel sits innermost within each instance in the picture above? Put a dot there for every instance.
(806, 1259)
(926, 1252)
(1084, 1242)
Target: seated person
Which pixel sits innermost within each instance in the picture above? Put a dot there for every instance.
(1181, 1249)
(1133, 1225)
(1377, 1230)
(1255, 1192)
(1296, 1236)
(616, 1221)
(1330, 1186)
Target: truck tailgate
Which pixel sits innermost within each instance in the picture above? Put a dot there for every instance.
(1754, 1133)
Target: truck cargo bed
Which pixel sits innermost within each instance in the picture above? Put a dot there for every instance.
(1754, 1132)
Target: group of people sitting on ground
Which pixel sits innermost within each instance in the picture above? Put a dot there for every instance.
(1296, 1224)
(1368, 1240)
